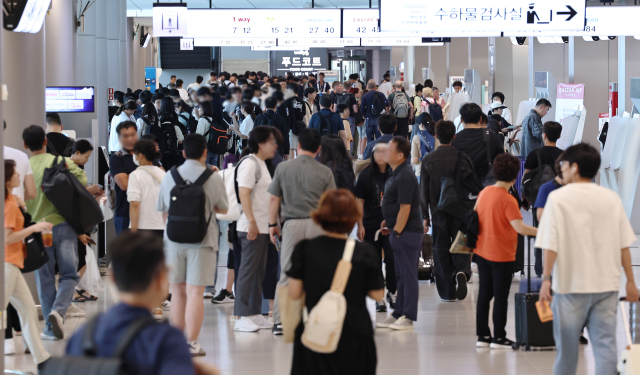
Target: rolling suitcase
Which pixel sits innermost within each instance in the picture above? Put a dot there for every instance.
(531, 333)
(425, 265)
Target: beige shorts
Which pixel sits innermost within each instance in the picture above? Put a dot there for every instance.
(193, 266)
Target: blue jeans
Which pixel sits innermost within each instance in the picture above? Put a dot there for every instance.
(64, 252)
(212, 159)
(406, 253)
(596, 311)
(121, 223)
(372, 129)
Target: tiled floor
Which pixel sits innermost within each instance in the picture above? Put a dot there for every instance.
(442, 343)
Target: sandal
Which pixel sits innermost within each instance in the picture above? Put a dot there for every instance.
(79, 299)
(87, 296)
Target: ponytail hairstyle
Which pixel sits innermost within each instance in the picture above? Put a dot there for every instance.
(148, 149)
(131, 106)
(249, 108)
(9, 170)
(151, 113)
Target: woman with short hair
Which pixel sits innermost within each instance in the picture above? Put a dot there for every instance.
(313, 266)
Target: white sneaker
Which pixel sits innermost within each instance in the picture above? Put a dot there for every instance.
(57, 324)
(44, 336)
(245, 324)
(75, 312)
(261, 321)
(208, 295)
(9, 346)
(196, 350)
(387, 322)
(402, 324)
(166, 305)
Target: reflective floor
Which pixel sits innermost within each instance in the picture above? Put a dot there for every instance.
(443, 342)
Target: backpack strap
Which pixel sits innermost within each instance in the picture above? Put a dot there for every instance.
(258, 176)
(89, 346)
(539, 160)
(423, 140)
(487, 139)
(341, 277)
(210, 123)
(203, 177)
(68, 147)
(176, 176)
(131, 333)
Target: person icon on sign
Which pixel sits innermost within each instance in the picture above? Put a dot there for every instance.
(531, 14)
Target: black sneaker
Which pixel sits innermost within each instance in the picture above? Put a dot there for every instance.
(223, 297)
(583, 340)
(381, 307)
(483, 342)
(391, 299)
(277, 330)
(503, 344)
(461, 286)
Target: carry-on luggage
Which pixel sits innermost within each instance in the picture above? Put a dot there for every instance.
(531, 333)
(425, 265)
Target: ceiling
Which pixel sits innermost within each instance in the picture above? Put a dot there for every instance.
(147, 5)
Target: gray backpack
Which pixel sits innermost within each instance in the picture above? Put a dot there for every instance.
(401, 105)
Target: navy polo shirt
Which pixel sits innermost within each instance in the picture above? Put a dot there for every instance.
(402, 188)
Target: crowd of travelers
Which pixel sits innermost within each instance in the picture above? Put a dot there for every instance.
(297, 168)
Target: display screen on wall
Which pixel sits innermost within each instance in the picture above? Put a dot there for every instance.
(173, 57)
(74, 99)
(300, 62)
(169, 19)
(264, 23)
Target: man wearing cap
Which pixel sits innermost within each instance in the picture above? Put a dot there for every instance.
(497, 123)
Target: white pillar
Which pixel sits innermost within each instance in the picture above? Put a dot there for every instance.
(123, 36)
(622, 80)
(532, 93)
(60, 42)
(409, 65)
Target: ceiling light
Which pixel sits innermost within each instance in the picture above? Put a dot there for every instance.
(26, 16)
(542, 39)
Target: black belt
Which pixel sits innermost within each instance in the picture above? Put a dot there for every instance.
(293, 218)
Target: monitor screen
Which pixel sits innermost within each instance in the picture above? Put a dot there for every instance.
(70, 99)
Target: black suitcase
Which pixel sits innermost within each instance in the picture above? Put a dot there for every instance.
(425, 265)
(531, 333)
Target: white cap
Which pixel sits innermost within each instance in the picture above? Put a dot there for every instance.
(497, 105)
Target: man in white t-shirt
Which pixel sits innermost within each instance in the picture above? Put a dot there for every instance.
(253, 229)
(386, 87)
(27, 188)
(586, 235)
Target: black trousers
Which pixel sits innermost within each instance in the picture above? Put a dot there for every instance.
(495, 281)
(403, 127)
(447, 265)
(13, 321)
(389, 262)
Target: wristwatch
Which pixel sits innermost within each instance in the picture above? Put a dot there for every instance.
(545, 278)
(273, 225)
(395, 233)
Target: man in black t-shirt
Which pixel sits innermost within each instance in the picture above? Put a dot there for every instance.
(121, 164)
(401, 211)
(549, 153)
(57, 142)
(343, 97)
(471, 140)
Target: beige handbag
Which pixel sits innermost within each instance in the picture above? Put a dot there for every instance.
(459, 245)
(323, 326)
(290, 313)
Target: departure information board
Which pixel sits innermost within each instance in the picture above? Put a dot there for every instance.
(264, 23)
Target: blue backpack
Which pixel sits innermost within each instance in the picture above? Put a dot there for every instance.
(427, 143)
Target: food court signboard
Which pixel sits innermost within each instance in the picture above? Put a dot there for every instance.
(300, 62)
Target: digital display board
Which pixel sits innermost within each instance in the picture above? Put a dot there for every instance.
(70, 99)
(264, 23)
(169, 19)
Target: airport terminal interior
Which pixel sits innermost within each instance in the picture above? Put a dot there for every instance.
(549, 92)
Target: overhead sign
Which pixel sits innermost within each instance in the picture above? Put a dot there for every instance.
(481, 15)
(300, 62)
(600, 21)
(264, 23)
(186, 44)
(169, 19)
(569, 97)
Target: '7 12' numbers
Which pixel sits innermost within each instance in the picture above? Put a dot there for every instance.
(244, 30)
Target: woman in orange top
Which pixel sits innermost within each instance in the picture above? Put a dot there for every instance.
(495, 254)
(16, 290)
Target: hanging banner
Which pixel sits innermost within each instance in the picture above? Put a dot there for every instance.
(570, 96)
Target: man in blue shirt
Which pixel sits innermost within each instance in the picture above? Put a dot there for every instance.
(141, 276)
(326, 121)
(366, 103)
(387, 124)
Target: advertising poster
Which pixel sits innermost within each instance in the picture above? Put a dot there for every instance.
(570, 96)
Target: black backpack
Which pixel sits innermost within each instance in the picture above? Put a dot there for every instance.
(490, 179)
(89, 364)
(72, 200)
(324, 127)
(342, 98)
(217, 137)
(377, 104)
(435, 111)
(68, 148)
(188, 221)
(457, 198)
(168, 141)
(535, 178)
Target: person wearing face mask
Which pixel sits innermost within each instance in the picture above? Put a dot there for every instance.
(124, 113)
(245, 127)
